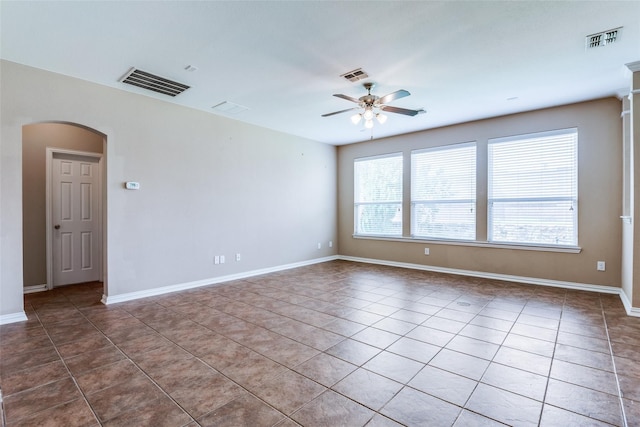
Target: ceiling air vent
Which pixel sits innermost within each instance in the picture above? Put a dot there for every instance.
(152, 82)
(603, 39)
(355, 75)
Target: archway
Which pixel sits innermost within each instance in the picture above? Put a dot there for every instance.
(38, 139)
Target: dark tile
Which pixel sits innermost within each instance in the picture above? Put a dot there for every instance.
(504, 406)
(93, 359)
(473, 347)
(632, 412)
(140, 345)
(252, 369)
(523, 360)
(543, 322)
(452, 314)
(382, 421)
(584, 401)
(444, 385)
(246, 410)
(442, 324)
(344, 327)
(552, 417)
(461, 364)
(516, 381)
(376, 337)
(30, 401)
(585, 376)
(432, 336)
(353, 351)
(396, 326)
(412, 407)
(325, 369)
(583, 357)
(534, 332)
(528, 344)
(414, 349)
(289, 391)
(332, 410)
(123, 397)
(199, 395)
(468, 418)
(482, 333)
(33, 377)
(19, 361)
(629, 387)
(410, 316)
(628, 367)
(76, 348)
(75, 413)
(368, 388)
(106, 376)
(392, 366)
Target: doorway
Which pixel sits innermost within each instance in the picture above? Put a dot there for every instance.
(81, 150)
(74, 223)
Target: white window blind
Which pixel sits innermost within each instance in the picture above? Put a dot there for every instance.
(532, 193)
(443, 192)
(378, 195)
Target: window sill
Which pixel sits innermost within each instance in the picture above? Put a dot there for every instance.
(477, 244)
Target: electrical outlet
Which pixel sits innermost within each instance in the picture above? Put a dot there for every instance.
(221, 259)
(600, 266)
(237, 257)
(426, 251)
(330, 243)
(319, 245)
(216, 259)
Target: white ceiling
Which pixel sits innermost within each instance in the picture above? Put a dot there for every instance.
(461, 61)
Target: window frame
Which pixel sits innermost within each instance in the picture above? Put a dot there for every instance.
(573, 199)
(357, 204)
(445, 201)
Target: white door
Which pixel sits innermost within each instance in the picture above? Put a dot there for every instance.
(75, 213)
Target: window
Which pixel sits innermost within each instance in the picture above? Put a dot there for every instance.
(443, 192)
(532, 190)
(378, 195)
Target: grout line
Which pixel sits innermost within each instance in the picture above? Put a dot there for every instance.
(613, 364)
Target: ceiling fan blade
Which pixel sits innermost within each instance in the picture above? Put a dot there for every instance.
(341, 111)
(405, 111)
(393, 96)
(348, 98)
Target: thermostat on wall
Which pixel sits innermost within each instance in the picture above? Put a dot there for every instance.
(131, 185)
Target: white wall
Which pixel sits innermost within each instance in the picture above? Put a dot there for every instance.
(209, 186)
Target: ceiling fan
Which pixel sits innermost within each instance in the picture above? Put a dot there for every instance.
(372, 106)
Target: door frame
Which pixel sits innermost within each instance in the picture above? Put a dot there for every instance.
(50, 152)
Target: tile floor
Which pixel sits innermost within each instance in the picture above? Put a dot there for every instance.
(331, 344)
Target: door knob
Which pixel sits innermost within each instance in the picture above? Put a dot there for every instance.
(57, 226)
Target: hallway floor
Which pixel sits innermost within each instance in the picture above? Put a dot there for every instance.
(331, 344)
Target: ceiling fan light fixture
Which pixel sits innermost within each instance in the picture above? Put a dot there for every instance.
(368, 113)
(381, 118)
(368, 124)
(355, 119)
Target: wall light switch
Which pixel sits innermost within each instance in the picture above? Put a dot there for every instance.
(600, 266)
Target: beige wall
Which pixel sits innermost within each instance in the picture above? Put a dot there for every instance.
(599, 197)
(209, 186)
(35, 140)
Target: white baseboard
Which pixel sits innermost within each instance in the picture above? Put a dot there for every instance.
(34, 288)
(13, 317)
(113, 299)
(631, 310)
(496, 276)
